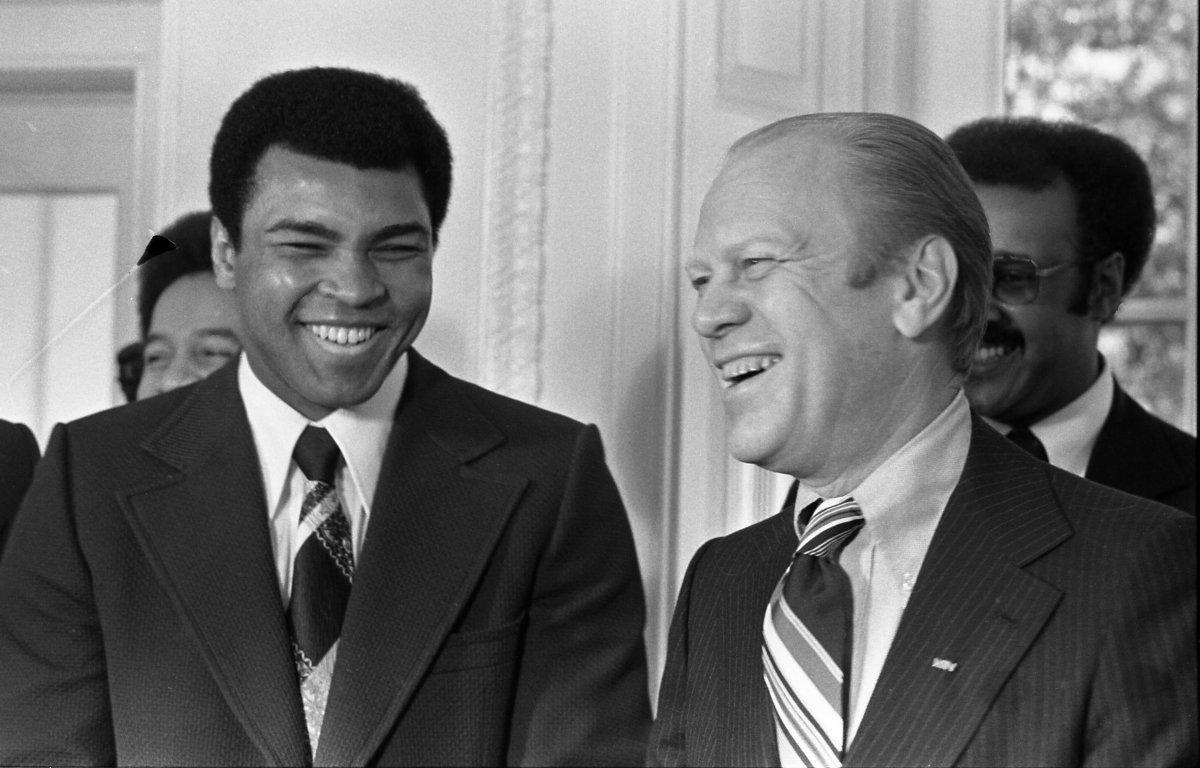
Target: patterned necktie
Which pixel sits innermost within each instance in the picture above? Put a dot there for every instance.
(807, 637)
(1025, 438)
(321, 577)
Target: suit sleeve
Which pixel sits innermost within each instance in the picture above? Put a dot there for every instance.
(582, 695)
(668, 745)
(1144, 709)
(54, 697)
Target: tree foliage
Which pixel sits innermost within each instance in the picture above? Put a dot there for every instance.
(1124, 66)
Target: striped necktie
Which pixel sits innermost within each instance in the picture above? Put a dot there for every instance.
(322, 573)
(807, 638)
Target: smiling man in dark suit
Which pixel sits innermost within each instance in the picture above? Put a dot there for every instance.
(332, 551)
(930, 594)
(1071, 212)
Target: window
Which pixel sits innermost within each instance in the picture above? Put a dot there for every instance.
(1127, 67)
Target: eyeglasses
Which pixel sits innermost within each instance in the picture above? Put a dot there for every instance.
(1016, 281)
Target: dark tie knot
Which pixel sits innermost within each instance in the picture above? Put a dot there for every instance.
(317, 455)
(831, 526)
(1024, 437)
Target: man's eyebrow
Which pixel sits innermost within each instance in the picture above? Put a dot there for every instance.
(401, 230)
(153, 337)
(1003, 254)
(222, 332)
(317, 229)
(304, 227)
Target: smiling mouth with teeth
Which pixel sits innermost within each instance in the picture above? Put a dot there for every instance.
(342, 335)
(744, 368)
(996, 344)
(987, 354)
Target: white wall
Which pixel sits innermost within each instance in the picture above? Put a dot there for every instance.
(74, 110)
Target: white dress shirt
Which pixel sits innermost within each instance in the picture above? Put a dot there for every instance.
(1069, 434)
(361, 433)
(902, 502)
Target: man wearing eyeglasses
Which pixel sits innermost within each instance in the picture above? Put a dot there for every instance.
(1071, 214)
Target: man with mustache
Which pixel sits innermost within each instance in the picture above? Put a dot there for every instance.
(1071, 214)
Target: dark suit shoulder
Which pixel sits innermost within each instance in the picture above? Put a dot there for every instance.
(1139, 453)
(433, 389)
(135, 417)
(1114, 535)
(772, 540)
(1086, 502)
(128, 444)
(513, 412)
(17, 442)
(18, 456)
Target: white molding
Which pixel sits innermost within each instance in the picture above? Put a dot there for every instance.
(144, 189)
(891, 29)
(514, 224)
(166, 134)
(778, 84)
(642, 280)
(1142, 310)
(844, 56)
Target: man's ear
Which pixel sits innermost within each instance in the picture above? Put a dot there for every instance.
(1107, 286)
(224, 255)
(925, 286)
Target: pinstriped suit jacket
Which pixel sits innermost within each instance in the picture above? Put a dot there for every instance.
(1073, 629)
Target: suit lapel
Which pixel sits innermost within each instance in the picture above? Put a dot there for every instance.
(739, 724)
(204, 529)
(433, 525)
(1131, 454)
(973, 614)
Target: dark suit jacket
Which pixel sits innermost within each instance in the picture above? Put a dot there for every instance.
(18, 456)
(1139, 453)
(1074, 634)
(496, 613)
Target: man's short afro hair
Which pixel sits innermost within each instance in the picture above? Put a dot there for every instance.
(192, 254)
(1111, 182)
(357, 118)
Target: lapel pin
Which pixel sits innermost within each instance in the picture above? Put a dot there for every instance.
(944, 664)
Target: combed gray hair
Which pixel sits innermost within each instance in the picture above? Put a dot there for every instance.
(910, 186)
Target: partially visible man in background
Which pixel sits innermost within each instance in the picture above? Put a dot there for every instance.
(188, 324)
(1071, 214)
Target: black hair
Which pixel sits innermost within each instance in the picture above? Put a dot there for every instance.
(1110, 181)
(129, 369)
(193, 253)
(357, 118)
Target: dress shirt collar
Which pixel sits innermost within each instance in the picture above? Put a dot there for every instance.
(1069, 434)
(361, 431)
(903, 499)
